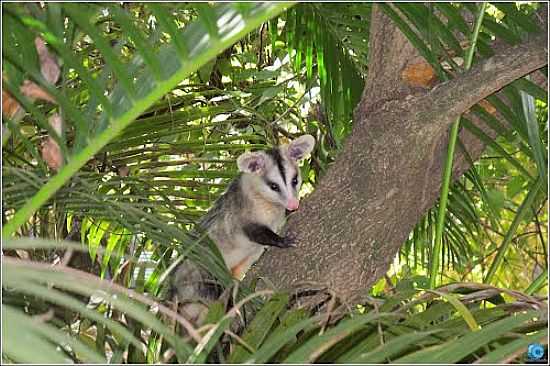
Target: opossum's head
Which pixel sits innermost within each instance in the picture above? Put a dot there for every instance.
(274, 174)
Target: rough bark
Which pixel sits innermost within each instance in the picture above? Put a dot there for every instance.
(389, 172)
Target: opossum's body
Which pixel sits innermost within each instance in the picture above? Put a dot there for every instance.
(251, 212)
(227, 220)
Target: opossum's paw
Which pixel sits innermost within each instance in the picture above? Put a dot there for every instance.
(289, 241)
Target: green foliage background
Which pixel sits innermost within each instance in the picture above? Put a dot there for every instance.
(158, 100)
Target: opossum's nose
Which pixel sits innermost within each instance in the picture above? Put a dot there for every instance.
(292, 204)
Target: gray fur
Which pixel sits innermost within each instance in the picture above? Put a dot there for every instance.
(249, 201)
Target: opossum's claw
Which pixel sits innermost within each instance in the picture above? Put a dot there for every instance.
(289, 241)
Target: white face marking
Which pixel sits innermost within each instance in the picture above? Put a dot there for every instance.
(278, 171)
(283, 190)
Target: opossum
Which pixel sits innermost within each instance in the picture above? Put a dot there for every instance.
(250, 214)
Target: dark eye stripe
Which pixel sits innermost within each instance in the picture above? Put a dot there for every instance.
(276, 155)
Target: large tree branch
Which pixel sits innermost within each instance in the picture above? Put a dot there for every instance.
(389, 171)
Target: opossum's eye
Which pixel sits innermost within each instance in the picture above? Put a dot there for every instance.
(274, 186)
(295, 181)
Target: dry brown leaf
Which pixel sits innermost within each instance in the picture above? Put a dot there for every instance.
(419, 74)
(51, 152)
(56, 122)
(10, 107)
(489, 108)
(49, 69)
(33, 91)
(48, 64)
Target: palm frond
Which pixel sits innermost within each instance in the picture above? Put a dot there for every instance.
(139, 84)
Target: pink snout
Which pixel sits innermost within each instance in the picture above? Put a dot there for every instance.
(292, 204)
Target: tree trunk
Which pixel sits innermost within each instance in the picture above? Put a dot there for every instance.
(389, 172)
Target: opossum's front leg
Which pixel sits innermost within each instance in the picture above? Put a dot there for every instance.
(263, 235)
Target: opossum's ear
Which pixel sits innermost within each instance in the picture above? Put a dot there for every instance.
(252, 162)
(297, 149)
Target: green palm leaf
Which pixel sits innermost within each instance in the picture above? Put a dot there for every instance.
(130, 98)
